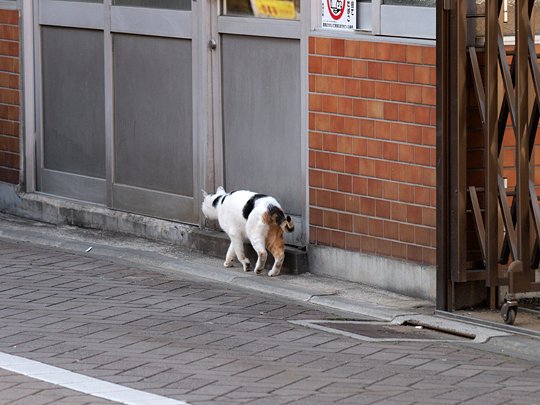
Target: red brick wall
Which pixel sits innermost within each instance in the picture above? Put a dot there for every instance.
(372, 147)
(9, 96)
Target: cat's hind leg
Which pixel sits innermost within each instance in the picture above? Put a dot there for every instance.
(261, 255)
(230, 256)
(238, 244)
(276, 246)
(257, 233)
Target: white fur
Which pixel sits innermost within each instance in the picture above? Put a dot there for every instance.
(231, 220)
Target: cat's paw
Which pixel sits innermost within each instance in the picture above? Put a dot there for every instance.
(273, 273)
(258, 271)
(247, 267)
(228, 263)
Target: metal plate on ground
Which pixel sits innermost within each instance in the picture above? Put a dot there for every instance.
(416, 328)
(383, 330)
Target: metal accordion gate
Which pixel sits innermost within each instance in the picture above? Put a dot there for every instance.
(488, 110)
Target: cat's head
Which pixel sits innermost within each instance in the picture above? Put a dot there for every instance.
(208, 207)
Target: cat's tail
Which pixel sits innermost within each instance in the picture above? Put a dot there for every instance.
(287, 224)
(275, 215)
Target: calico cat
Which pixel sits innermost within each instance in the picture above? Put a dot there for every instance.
(258, 217)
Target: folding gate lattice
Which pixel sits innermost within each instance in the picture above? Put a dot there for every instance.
(488, 228)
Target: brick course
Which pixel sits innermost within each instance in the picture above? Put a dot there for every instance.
(372, 147)
(10, 95)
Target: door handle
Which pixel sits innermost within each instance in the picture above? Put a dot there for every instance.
(212, 44)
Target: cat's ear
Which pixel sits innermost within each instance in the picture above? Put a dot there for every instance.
(204, 193)
(220, 189)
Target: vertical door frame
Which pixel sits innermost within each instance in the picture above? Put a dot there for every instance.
(108, 70)
(28, 115)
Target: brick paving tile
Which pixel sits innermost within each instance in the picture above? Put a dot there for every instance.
(205, 342)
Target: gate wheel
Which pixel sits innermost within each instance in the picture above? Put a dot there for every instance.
(509, 312)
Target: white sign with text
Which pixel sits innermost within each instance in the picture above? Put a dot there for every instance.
(339, 14)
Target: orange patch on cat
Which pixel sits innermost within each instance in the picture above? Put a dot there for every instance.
(267, 219)
(274, 240)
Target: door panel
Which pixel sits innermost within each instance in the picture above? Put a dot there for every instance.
(73, 96)
(153, 113)
(261, 113)
(154, 155)
(72, 147)
(261, 117)
(116, 122)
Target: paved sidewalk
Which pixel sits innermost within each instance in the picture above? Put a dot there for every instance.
(16, 389)
(139, 315)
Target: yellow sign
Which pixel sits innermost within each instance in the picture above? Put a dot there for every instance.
(283, 9)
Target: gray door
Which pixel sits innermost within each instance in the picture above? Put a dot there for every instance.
(72, 148)
(116, 83)
(137, 114)
(261, 109)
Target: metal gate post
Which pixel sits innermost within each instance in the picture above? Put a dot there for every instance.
(443, 131)
(520, 269)
(491, 149)
(458, 141)
(451, 148)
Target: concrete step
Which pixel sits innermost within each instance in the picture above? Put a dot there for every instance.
(216, 243)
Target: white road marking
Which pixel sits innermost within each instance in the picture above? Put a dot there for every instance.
(81, 383)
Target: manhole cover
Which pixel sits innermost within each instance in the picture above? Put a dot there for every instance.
(382, 330)
(387, 332)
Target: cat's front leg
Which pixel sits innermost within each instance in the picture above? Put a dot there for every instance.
(238, 244)
(230, 256)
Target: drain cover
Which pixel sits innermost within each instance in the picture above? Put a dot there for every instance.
(382, 330)
(388, 331)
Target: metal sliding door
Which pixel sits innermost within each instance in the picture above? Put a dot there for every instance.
(137, 114)
(72, 147)
(260, 97)
(153, 159)
(116, 80)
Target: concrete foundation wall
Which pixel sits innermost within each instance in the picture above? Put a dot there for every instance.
(54, 210)
(60, 211)
(402, 277)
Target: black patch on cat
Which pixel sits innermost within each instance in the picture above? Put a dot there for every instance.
(216, 201)
(250, 204)
(223, 199)
(278, 212)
